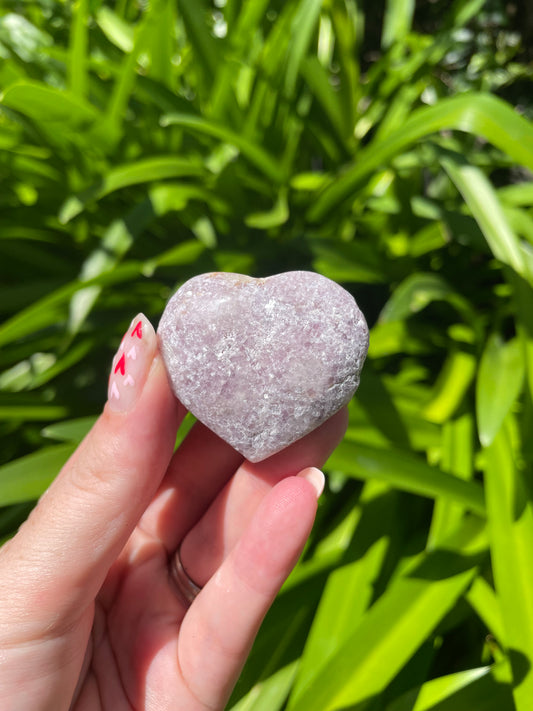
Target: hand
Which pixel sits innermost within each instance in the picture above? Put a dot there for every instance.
(90, 618)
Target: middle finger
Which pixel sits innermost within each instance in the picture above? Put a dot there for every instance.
(210, 540)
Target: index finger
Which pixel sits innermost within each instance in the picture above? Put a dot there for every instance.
(62, 554)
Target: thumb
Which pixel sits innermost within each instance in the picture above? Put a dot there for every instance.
(60, 557)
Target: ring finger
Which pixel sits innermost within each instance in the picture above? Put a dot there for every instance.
(211, 539)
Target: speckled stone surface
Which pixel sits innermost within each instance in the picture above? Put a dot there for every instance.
(262, 362)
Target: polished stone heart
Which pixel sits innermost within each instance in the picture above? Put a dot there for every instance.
(262, 362)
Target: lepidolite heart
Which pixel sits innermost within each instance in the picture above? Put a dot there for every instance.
(262, 362)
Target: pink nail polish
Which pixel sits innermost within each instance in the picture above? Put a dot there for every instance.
(131, 364)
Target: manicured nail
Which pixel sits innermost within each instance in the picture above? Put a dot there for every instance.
(131, 364)
(315, 477)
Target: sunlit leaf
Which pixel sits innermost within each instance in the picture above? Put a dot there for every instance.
(79, 48)
(483, 202)
(407, 472)
(397, 21)
(510, 516)
(26, 478)
(253, 152)
(417, 292)
(115, 28)
(451, 386)
(479, 114)
(471, 689)
(70, 430)
(143, 171)
(48, 105)
(393, 628)
(500, 378)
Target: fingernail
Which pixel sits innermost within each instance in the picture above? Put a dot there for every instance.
(315, 477)
(131, 364)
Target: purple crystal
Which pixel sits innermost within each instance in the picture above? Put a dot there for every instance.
(262, 362)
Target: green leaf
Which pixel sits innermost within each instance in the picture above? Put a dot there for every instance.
(117, 240)
(510, 517)
(161, 41)
(252, 151)
(499, 382)
(354, 262)
(269, 694)
(523, 301)
(457, 459)
(350, 587)
(394, 337)
(485, 602)
(473, 689)
(476, 113)
(277, 216)
(26, 478)
(397, 21)
(32, 412)
(318, 81)
(117, 31)
(122, 176)
(276, 647)
(451, 387)
(49, 311)
(374, 397)
(77, 67)
(52, 108)
(516, 195)
(185, 253)
(393, 629)
(483, 202)
(206, 47)
(406, 472)
(463, 11)
(417, 292)
(126, 77)
(70, 430)
(302, 28)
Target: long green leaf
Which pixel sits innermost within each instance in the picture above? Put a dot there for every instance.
(406, 472)
(510, 517)
(397, 21)
(206, 48)
(69, 430)
(473, 689)
(417, 292)
(160, 42)
(477, 113)
(253, 152)
(453, 382)
(483, 202)
(49, 311)
(350, 588)
(303, 26)
(499, 382)
(32, 412)
(269, 694)
(125, 79)
(77, 68)
(456, 458)
(25, 479)
(141, 171)
(117, 31)
(486, 603)
(392, 630)
(50, 107)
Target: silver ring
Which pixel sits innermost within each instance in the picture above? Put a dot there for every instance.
(185, 585)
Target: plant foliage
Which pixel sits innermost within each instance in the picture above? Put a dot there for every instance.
(387, 147)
